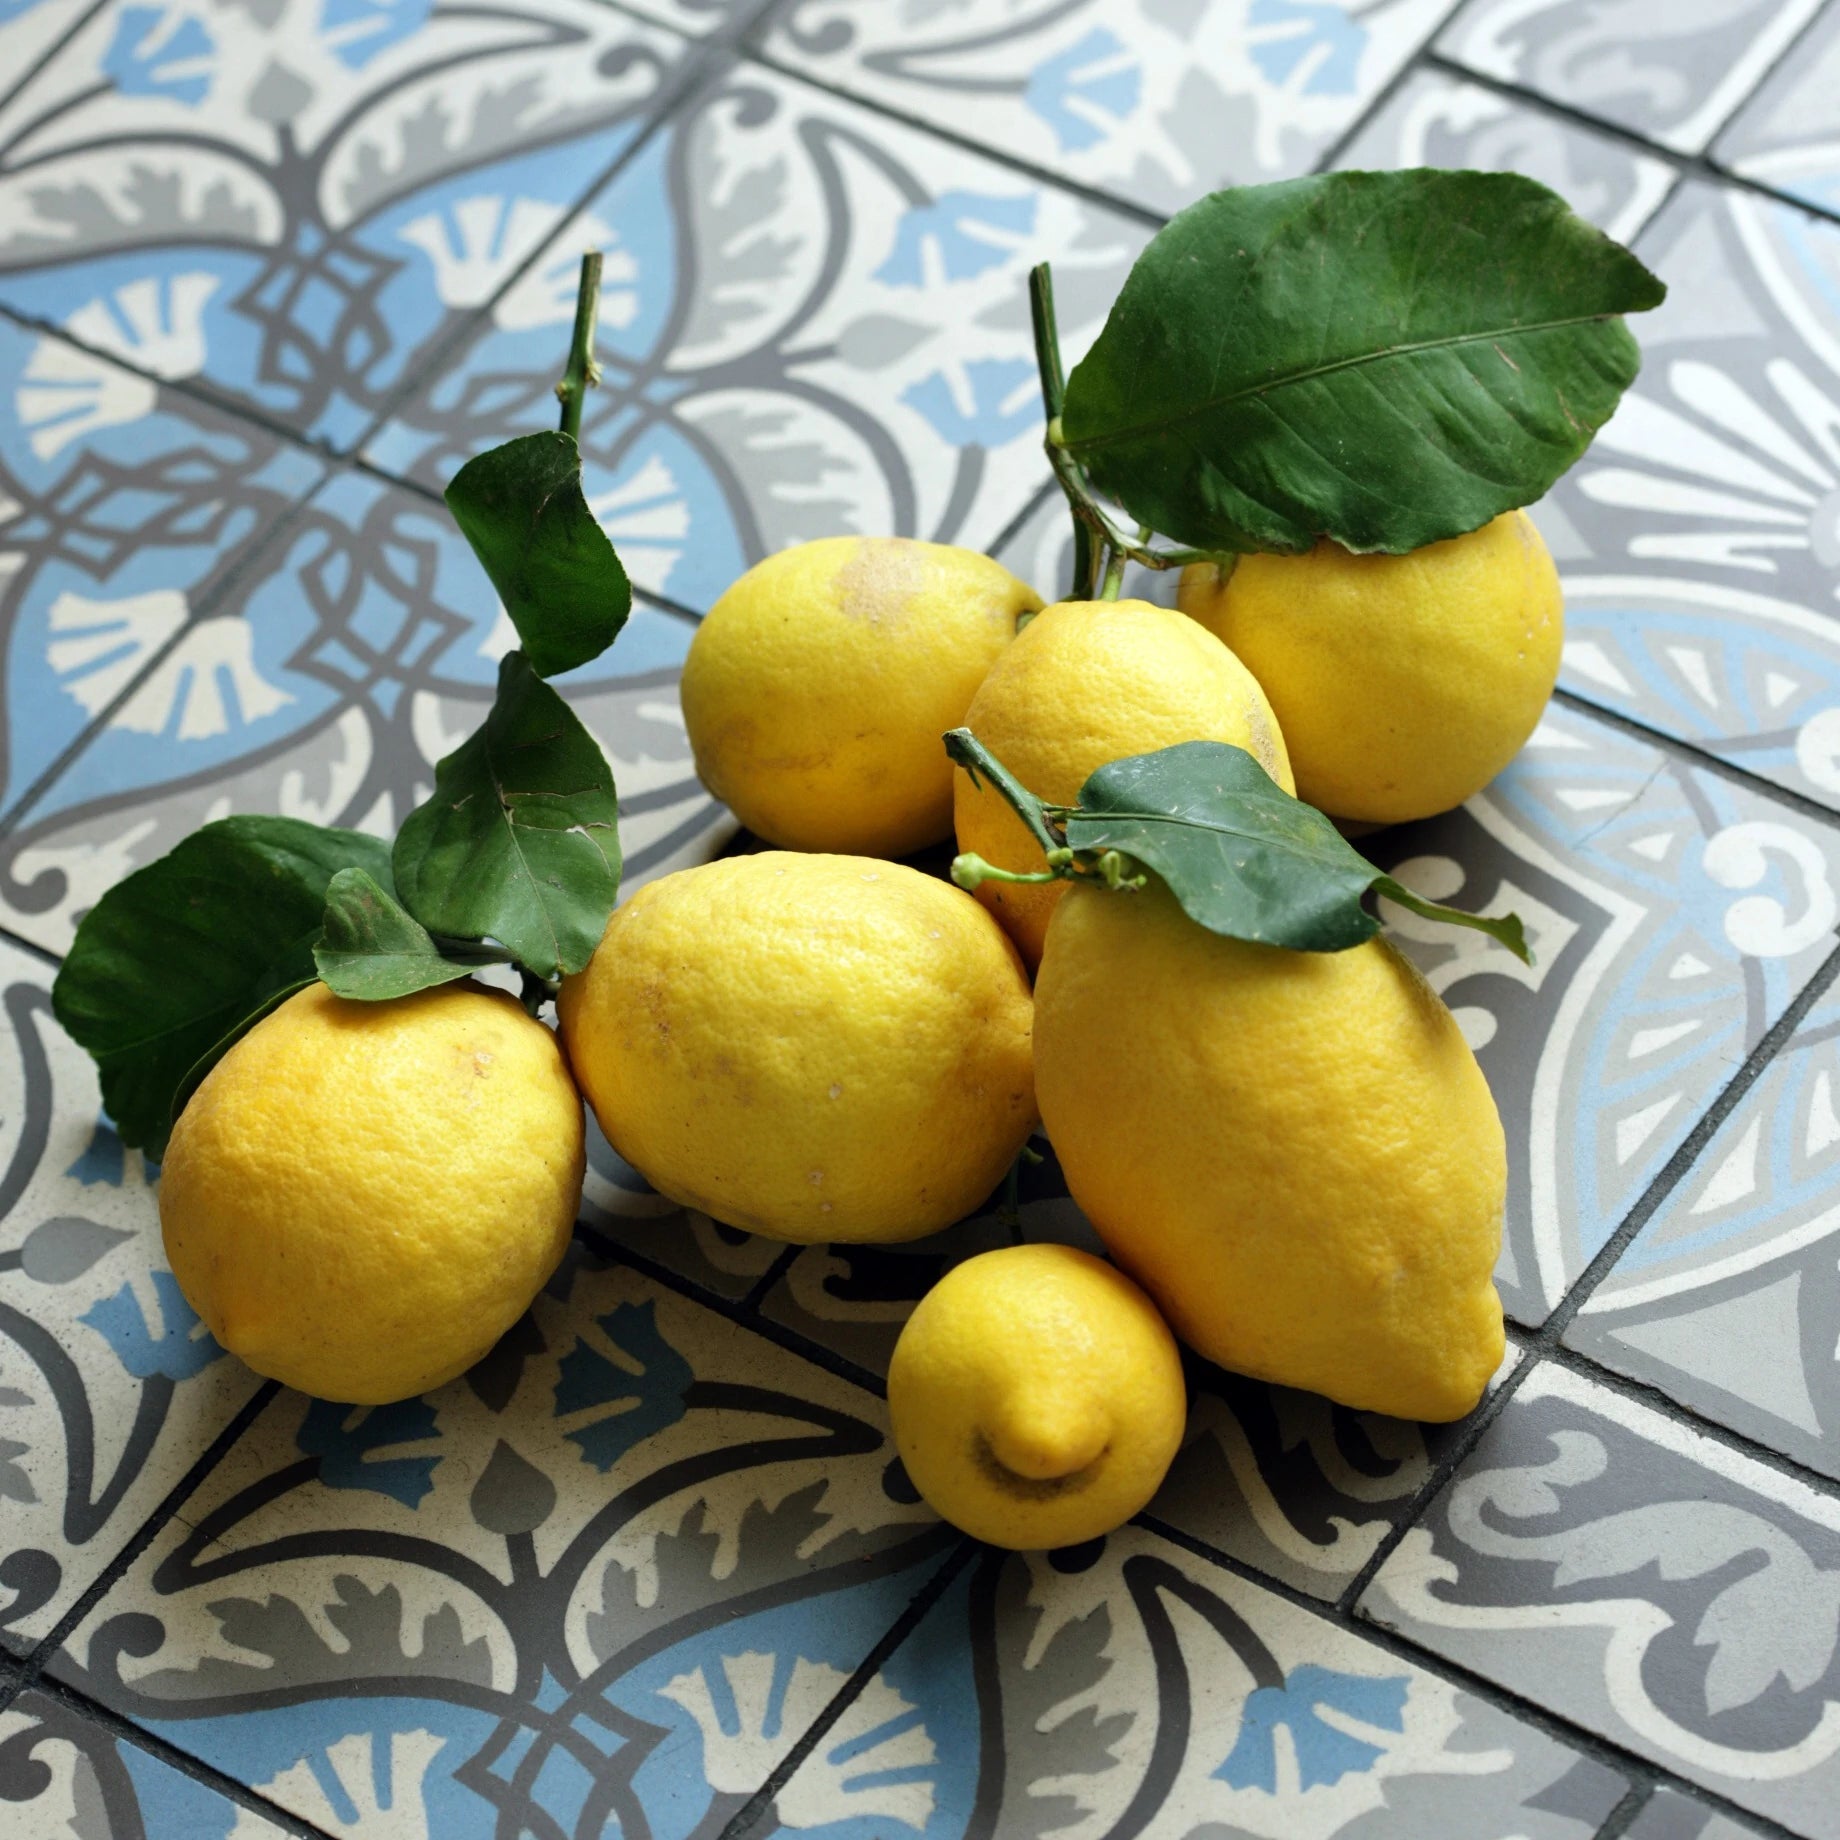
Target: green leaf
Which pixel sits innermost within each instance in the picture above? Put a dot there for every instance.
(178, 961)
(521, 507)
(520, 842)
(373, 948)
(1388, 359)
(1243, 857)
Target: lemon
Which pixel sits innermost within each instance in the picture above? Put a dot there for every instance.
(361, 1198)
(1403, 683)
(1036, 1397)
(811, 1047)
(1295, 1153)
(1088, 682)
(818, 686)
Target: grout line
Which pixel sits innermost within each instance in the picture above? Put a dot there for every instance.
(1325, 162)
(43, 953)
(1627, 1812)
(898, 1631)
(125, 1730)
(763, 1286)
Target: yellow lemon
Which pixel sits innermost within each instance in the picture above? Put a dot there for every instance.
(1088, 682)
(1295, 1153)
(1403, 683)
(361, 1198)
(811, 1047)
(1037, 1397)
(818, 686)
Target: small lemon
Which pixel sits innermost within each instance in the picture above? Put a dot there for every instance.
(818, 686)
(1403, 683)
(1295, 1153)
(1088, 682)
(811, 1047)
(1037, 1397)
(361, 1198)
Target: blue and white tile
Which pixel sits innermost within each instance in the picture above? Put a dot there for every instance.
(1729, 1297)
(814, 320)
(1151, 101)
(1128, 1686)
(1699, 538)
(1669, 1815)
(29, 29)
(1672, 74)
(65, 1776)
(1674, 916)
(352, 653)
(124, 506)
(1434, 119)
(110, 1388)
(611, 1575)
(1641, 1581)
(294, 203)
(1788, 135)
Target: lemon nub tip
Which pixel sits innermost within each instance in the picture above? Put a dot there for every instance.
(1030, 1445)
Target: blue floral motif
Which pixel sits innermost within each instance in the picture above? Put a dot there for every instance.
(1324, 1753)
(357, 30)
(651, 1401)
(345, 1451)
(144, 61)
(1057, 88)
(103, 1159)
(958, 224)
(1001, 405)
(176, 1352)
(1316, 30)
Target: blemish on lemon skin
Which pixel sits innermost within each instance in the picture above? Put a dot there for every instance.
(816, 1178)
(836, 1089)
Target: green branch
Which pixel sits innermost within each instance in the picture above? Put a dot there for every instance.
(582, 373)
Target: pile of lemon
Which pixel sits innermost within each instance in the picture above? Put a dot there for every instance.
(1291, 1157)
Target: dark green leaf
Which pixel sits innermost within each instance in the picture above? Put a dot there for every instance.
(1243, 857)
(520, 842)
(373, 948)
(1387, 359)
(173, 964)
(521, 507)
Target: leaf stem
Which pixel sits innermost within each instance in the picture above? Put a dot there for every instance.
(1113, 584)
(971, 872)
(536, 991)
(1053, 397)
(970, 753)
(582, 372)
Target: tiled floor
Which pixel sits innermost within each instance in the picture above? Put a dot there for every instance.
(268, 270)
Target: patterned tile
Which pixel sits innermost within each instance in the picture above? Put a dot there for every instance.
(1699, 538)
(62, 1774)
(353, 653)
(1673, 74)
(29, 29)
(123, 506)
(110, 1389)
(1154, 101)
(696, 17)
(1787, 135)
(1729, 1297)
(608, 1578)
(1643, 1582)
(1435, 120)
(1674, 916)
(1303, 1490)
(814, 320)
(1670, 1815)
(294, 202)
(1128, 1687)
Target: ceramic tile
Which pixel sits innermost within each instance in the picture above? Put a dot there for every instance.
(110, 1390)
(1729, 1297)
(1645, 1583)
(697, 18)
(1673, 74)
(358, 649)
(1669, 1815)
(1436, 120)
(29, 29)
(1301, 1489)
(1153, 101)
(607, 1579)
(294, 202)
(64, 1776)
(1788, 134)
(1674, 916)
(123, 507)
(1129, 1687)
(813, 320)
(1699, 537)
